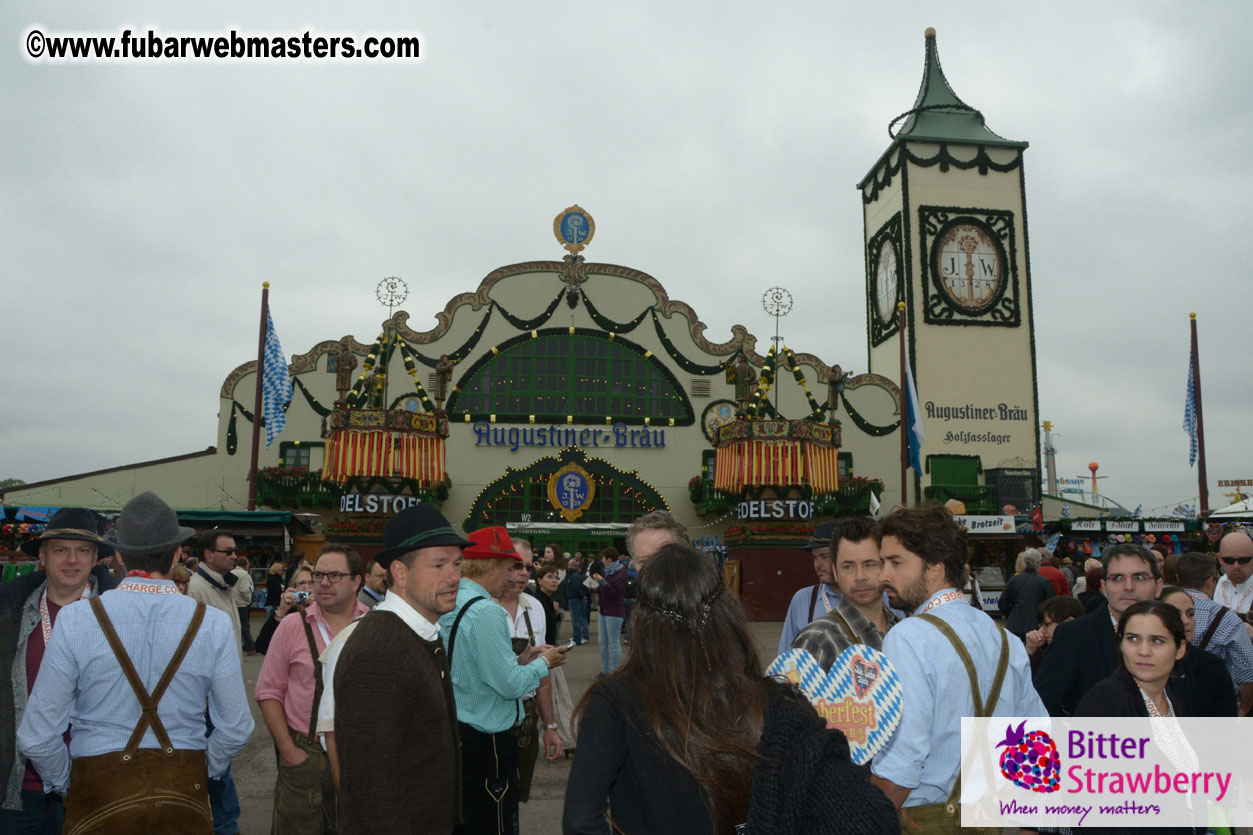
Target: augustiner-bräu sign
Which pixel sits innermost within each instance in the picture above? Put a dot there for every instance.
(983, 413)
(619, 436)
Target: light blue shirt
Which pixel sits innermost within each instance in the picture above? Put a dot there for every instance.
(82, 684)
(924, 754)
(798, 613)
(487, 680)
(1230, 640)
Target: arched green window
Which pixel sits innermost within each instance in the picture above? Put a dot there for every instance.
(553, 373)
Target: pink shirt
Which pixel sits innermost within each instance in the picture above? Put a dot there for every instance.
(287, 672)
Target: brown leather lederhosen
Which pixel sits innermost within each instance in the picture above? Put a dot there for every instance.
(141, 789)
(948, 814)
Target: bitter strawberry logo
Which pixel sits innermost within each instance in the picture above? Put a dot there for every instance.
(1030, 760)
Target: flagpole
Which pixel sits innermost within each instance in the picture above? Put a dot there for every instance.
(1200, 426)
(900, 318)
(256, 406)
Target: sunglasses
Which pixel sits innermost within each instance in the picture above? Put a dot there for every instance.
(1236, 560)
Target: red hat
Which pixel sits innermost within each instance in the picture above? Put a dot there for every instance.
(490, 544)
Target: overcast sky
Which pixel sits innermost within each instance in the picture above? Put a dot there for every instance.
(717, 146)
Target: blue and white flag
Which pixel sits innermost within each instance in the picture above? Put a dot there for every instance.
(1139, 510)
(1189, 410)
(275, 383)
(1066, 511)
(913, 419)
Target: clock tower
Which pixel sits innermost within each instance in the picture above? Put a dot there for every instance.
(945, 220)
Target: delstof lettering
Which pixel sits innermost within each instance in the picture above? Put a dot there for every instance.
(617, 436)
(775, 509)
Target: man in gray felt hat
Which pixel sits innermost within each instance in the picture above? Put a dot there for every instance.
(139, 759)
(68, 549)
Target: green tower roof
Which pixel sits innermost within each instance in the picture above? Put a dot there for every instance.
(938, 115)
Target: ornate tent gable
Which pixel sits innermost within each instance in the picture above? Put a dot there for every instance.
(574, 272)
(299, 364)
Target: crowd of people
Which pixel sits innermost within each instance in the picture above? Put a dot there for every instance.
(416, 694)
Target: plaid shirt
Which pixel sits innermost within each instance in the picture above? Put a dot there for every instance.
(1230, 640)
(487, 680)
(826, 637)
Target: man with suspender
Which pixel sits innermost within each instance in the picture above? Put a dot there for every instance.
(816, 600)
(131, 671)
(953, 661)
(528, 625)
(289, 688)
(1218, 629)
(488, 682)
(859, 617)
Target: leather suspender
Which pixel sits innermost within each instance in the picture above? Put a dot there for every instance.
(813, 602)
(317, 677)
(148, 703)
(452, 633)
(994, 695)
(1213, 627)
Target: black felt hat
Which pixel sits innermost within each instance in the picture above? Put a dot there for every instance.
(418, 526)
(822, 536)
(71, 523)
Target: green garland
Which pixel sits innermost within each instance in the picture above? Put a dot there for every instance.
(411, 366)
(680, 360)
(865, 425)
(815, 410)
(604, 322)
(530, 324)
(321, 410)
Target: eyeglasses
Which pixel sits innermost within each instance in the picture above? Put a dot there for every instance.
(224, 550)
(1236, 560)
(333, 576)
(1138, 578)
(304, 584)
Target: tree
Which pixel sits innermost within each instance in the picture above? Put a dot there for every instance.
(6, 483)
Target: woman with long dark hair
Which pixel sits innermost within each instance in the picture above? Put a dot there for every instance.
(672, 741)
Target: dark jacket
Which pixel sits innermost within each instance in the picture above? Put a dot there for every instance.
(1203, 686)
(574, 588)
(1083, 652)
(1118, 695)
(1022, 596)
(273, 590)
(806, 783)
(13, 595)
(613, 594)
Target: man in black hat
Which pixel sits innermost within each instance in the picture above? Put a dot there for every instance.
(394, 718)
(131, 672)
(816, 600)
(67, 549)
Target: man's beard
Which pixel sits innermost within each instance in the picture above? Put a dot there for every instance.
(910, 597)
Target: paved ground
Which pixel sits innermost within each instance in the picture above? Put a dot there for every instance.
(254, 768)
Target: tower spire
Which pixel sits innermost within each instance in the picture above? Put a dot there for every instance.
(939, 114)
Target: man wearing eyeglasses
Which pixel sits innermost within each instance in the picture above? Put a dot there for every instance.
(289, 690)
(1235, 587)
(1085, 650)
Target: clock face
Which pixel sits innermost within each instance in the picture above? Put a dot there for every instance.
(886, 282)
(969, 263)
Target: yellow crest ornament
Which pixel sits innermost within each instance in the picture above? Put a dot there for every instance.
(574, 228)
(571, 491)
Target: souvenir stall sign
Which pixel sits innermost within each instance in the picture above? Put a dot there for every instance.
(860, 696)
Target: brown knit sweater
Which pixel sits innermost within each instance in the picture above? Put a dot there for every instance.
(396, 732)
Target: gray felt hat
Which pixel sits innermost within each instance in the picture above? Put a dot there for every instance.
(147, 526)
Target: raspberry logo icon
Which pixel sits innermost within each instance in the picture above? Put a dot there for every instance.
(1030, 760)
